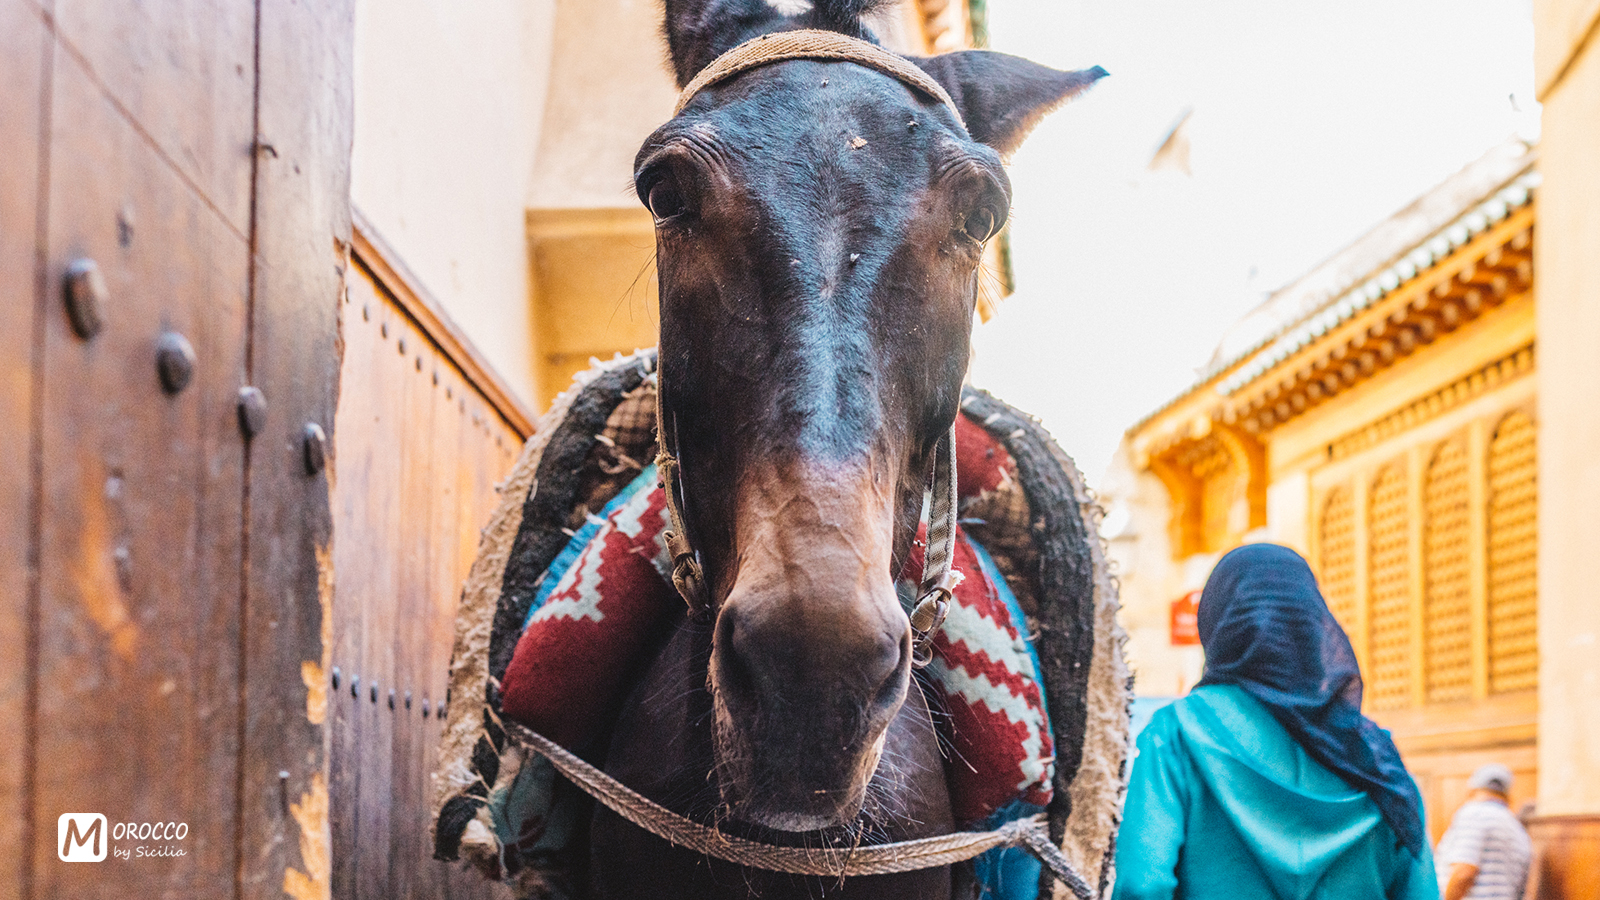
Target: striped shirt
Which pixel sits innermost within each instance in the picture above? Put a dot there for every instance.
(1485, 834)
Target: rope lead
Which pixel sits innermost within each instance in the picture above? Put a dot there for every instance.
(1031, 834)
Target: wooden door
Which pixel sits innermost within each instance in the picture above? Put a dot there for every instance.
(302, 235)
(164, 661)
(23, 42)
(141, 482)
(425, 432)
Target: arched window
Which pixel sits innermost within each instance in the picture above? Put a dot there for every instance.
(1447, 573)
(1513, 555)
(1389, 587)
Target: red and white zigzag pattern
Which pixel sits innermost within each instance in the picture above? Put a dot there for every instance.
(564, 679)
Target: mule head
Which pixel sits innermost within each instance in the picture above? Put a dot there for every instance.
(819, 230)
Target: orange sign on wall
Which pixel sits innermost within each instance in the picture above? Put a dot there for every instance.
(1186, 620)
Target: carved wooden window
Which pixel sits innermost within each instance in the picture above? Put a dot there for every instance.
(1389, 574)
(1513, 554)
(1337, 538)
(1447, 573)
(1223, 489)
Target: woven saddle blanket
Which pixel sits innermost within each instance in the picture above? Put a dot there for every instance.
(582, 589)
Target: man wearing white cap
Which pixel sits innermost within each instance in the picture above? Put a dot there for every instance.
(1485, 853)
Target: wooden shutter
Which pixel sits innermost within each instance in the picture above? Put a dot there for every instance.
(1389, 577)
(1513, 556)
(1447, 573)
(1337, 538)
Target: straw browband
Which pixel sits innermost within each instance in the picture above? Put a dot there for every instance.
(814, 44)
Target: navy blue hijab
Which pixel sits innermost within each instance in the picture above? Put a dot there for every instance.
(1266, 629)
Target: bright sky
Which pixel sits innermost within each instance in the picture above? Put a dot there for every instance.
(1312, 122)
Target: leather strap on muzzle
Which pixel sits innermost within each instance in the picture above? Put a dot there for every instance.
(688, 576)
(938, 580)
(939, 501)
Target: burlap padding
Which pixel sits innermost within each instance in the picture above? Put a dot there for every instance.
(592, 442)
(814, 44)
(538, 505)
(1087, 682)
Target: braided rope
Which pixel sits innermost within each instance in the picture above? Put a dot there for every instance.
(938, 578)
(811, 43)
(688, 577)
(878, 859)
(941, 550)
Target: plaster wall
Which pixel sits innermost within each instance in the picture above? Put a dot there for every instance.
(588, 239)
(1569, 415)
(610, 86)
(1288, 513)
(1561, 28)
(1140, 550)
(494, 152)
(449, 101)
(590, 243)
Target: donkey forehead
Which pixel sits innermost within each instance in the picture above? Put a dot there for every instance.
(799, 120)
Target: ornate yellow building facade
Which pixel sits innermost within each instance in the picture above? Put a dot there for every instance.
(1379, 416)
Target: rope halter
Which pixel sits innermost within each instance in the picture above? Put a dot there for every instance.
(688, 573)
(926, 617)
(810, 43)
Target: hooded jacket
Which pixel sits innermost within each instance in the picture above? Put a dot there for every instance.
(1223, 803)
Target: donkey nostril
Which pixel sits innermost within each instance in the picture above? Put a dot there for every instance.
(898, 653)
(771, 663)
(733, 672)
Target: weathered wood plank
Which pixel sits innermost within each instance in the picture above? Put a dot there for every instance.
(447, 572)
(428, 313)
(140, 532)
(23, 40)
(361, 495)
(301, 229)
(408, 850)
(466, 533)
(418, 461)
(184, 70)
(489, 447)
(383, 533)
(458, 526)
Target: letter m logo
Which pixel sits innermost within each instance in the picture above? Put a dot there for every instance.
(82, 837)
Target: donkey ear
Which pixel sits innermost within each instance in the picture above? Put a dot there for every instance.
(699, 31)
(1002, 96)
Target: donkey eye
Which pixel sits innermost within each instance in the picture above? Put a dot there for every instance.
(979, 224)
(665, 200)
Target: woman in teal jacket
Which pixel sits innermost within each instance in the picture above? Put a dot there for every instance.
(1266, 781)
